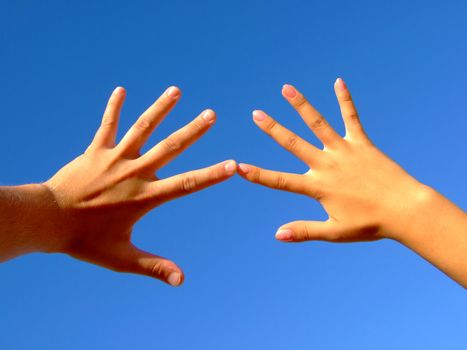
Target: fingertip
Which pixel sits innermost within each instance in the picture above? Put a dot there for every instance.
(230, 167)
(288, 91)
(284, 235)
(119, 91)
(340, 85)
(175, 279)
(173, 92)
(209, 115)
(258, 115)
(243, 169)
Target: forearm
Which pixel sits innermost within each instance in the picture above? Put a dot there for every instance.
(437, 230)
(28, 221)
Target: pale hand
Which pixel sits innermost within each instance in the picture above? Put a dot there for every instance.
(366, 195)
(361, 189)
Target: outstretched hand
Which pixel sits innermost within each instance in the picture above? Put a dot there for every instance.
(101, 194)
(366, 194)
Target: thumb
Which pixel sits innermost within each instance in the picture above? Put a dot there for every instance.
(133, 260)
(300, 231)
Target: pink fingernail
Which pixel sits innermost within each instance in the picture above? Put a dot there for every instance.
(244, 169)
(340, 84)
(230, 167)
(209, 115)
(284, 235)
(259, 116)
(289, 91)
(173, 92)
(174, 279)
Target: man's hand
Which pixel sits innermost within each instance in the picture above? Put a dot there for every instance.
(100, 195)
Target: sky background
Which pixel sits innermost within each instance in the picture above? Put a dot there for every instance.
(406, 65)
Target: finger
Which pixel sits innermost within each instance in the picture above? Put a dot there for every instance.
(138, 134)
(299, 231)
(107, 132)
(353, 126)
(274, 179)
(287, 139)
(192, 181)
(133, 260)
(315, 121)
(172, 146)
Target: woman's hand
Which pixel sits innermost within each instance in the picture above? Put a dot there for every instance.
(362, 190)
(367, 195)
(101, 194)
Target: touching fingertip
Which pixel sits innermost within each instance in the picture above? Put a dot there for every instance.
(230, 167)
(289, 91)
(175, 279)
(243, 168)
(284, 235)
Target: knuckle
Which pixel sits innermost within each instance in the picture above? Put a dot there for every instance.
(292, 142)
(300, 101)
(256, 175)
(280, 182)
(158, 269)
(172, 144)
(318, 123)
(142, 124)
(188, 184)
(306, 232)
(271, 126)
(353, 116)
(346, 97)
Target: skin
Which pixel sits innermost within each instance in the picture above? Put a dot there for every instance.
(366, 195)
(88, 209)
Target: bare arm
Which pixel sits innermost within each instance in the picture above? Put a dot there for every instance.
(367, 195)
(88, 209)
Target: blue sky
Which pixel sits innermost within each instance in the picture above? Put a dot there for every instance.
(406, 64)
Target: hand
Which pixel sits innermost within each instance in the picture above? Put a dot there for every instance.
(367, 196)
(102, 193)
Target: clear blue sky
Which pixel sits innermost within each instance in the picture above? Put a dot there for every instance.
(406, 63)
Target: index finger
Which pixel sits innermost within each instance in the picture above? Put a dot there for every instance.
(192, 181)
(273, 179)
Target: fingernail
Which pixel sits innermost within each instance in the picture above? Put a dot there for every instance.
(209, 115)
(340, 84)
(289, 91)
(117, 90)
(284, 234)
(259, 116)
(173, 92)
(244, 169)
(174, 279)
(230, 167)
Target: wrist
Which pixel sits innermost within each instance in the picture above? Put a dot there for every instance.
(35, 220)
(409, 211)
